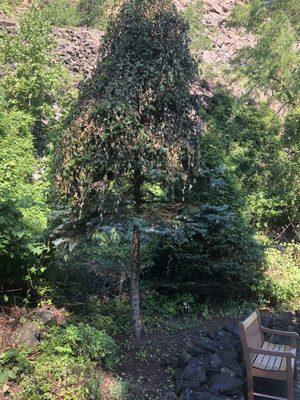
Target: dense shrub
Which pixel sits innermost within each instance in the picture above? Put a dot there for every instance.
(23, 210)
(37, 85)
(97, 14)
(60, 12)
(281, 286)
(60, 377)
(211, 254)
(260, 160)
(82, 340)
(68, 364)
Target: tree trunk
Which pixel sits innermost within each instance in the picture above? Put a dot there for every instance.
(138, 329)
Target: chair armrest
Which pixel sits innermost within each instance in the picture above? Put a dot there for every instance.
(287, 354)
(280, 333)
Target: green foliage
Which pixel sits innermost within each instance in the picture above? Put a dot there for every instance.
(199, 39)
(281, 287)
(23, 210)
(139, 133)
(81, 340)
(123, 390)
(60, 12)
(97, 14)
(290, 177)
(66, 364)
(261, 162)
(253, 13)
(87, 13)
(169, 306)
(8, 6)
(271, 65)
(36, 84)
(14, 365)
(210, 252)
(58, 378)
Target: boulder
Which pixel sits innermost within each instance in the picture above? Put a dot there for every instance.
(233, 328)
(228, 372)
(225, 385)
(195, 351)
(192, 377)
(207, 344)
(228, 359)
(27, 335)
(208, 396)
(194, 373)
(183, 359)
(44, 316)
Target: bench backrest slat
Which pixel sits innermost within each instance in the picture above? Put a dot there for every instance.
(251, 335)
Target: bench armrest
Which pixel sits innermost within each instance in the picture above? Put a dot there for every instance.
(287, 354)
(280, 333)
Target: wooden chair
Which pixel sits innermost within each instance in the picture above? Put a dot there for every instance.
(267, 360)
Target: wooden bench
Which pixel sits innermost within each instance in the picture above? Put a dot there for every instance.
(267, 360)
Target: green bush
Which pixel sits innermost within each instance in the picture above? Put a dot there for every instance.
(260, 160)
(96, 14)
(82, 340)
(67, 364)
(8, 6)
(23, 209)
(59, 377)
(60, 12)
(281, 286)
(211, 253)
(37, 85)
(14, 364)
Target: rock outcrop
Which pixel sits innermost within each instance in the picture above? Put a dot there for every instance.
(78, 47)
(213, 368)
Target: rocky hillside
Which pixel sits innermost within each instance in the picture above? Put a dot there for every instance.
(78, 47)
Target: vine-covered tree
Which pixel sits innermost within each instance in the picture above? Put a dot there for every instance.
(132, 141)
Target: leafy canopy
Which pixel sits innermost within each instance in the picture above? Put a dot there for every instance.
(131, 139)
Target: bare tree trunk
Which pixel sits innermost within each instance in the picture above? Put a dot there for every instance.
(138, 329)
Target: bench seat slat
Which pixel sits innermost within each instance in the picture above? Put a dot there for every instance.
(278, 360)
(258, 359)
(272, 363)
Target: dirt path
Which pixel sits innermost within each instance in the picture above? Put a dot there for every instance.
(150, 362)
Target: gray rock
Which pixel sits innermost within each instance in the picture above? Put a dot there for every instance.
(233, 328)
(208, 396)
(207, 344)
(183, 359)
(228, 372)
(222, 384)
(192, 377)
(196, 351)
(44, 316)
(27, 335)
(224, 358)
